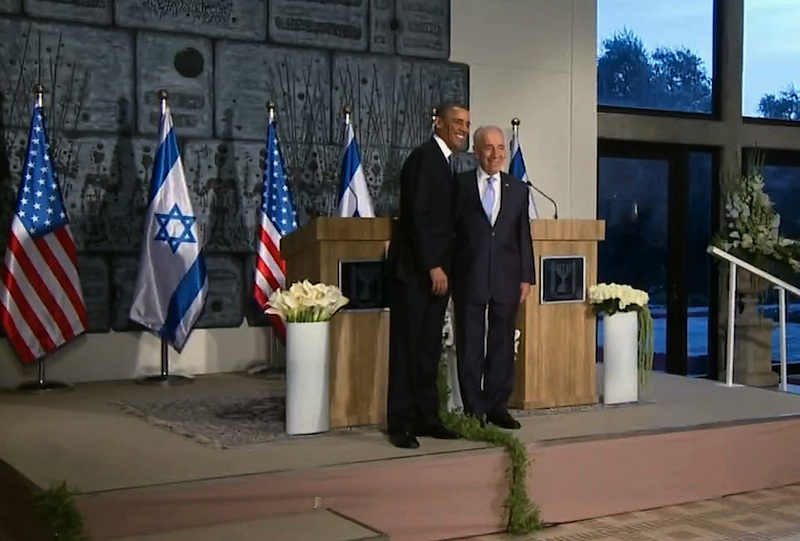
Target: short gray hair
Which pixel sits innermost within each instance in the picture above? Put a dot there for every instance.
(479, 133)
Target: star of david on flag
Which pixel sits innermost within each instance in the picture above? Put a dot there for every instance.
(184, 232)
(172, 285)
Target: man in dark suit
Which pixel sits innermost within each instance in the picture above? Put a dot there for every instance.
(419, 262)
(493, 273)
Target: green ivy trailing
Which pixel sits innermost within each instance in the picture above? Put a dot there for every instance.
(520, 515)
(646, 341)
(57, 508)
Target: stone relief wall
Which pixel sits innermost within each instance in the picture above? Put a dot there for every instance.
(103, 61)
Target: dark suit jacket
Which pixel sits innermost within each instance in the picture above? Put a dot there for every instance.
(422, 238)
(491, 262)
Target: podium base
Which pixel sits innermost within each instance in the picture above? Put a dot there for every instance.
(43, 386)
(161, 380)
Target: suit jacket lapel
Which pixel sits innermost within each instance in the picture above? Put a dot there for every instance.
(504, 180)
(475, 190)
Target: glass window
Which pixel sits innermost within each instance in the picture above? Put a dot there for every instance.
(782, 184)
(699, 266)
(771, 74)
(657, 203)
(632, 199)
(656, 55)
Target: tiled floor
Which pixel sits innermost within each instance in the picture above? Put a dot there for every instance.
(768, 515)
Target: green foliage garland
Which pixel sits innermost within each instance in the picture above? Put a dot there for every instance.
(520, 515)
(57, 508)
(646, 344)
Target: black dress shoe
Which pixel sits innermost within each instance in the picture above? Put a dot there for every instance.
(504, 420)
(404, 440)
(439, 432)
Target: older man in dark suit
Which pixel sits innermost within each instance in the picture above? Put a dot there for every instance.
(493, 271)
(419, 262)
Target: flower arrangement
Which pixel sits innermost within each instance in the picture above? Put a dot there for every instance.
(305, 302)
(750, 227)
(612, 298)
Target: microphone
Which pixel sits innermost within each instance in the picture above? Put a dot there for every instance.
(540, 192)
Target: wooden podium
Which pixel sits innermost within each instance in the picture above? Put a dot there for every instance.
(320, 252)
(557, 351)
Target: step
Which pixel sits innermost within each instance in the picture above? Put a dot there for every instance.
(321, 524)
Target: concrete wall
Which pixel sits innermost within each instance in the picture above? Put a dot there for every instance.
(533, 59)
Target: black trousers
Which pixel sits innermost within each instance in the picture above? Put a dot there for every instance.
(415, 349)
(494, 363)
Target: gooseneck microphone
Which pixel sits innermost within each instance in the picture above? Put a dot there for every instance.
(540, 192)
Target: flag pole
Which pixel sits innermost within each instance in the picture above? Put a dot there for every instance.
(41, 384)
(347, 113)
(164, 379)
(266, 369)
(515, 122)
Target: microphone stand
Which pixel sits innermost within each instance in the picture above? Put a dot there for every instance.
(540, 192)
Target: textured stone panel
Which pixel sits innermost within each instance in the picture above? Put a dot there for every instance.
(10, 6)
(223, 304)
(12, 152)
(87, 73)
(419, 86)
(382, 26)
(248, 76)
(333, 24)
(392, 98)
(85, 11)
(184, 67)
(94, 273)
(225, 293)
(424, 28)
(254, 316)
(241, 19)
(367, 85)
(104, 182)
(226, 179)
(123, 282)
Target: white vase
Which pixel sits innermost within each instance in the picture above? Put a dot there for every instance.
(307, 378)
(620, 358)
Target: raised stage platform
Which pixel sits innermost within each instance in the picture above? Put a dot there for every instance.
(688, 440)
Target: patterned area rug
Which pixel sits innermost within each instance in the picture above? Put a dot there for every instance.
(223, 421)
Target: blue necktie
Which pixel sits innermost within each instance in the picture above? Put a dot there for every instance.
(488, 198)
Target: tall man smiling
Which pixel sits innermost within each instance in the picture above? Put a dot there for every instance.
(419, 262)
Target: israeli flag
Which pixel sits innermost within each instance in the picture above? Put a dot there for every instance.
(354, 198)
(171, 286)
(517, 169)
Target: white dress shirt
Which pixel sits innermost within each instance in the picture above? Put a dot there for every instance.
(443, 146)
(483, 184)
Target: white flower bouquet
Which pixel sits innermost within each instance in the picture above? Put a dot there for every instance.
(611, 298)
(750, 227)
(305, 302)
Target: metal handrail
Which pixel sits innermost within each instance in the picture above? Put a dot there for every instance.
(782, 288)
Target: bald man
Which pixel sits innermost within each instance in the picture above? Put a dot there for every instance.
(493, 271)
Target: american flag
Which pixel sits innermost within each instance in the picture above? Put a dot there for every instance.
(278, 219)
(41, 303)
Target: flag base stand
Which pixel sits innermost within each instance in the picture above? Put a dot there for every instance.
(41, 384)
(165, 379)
